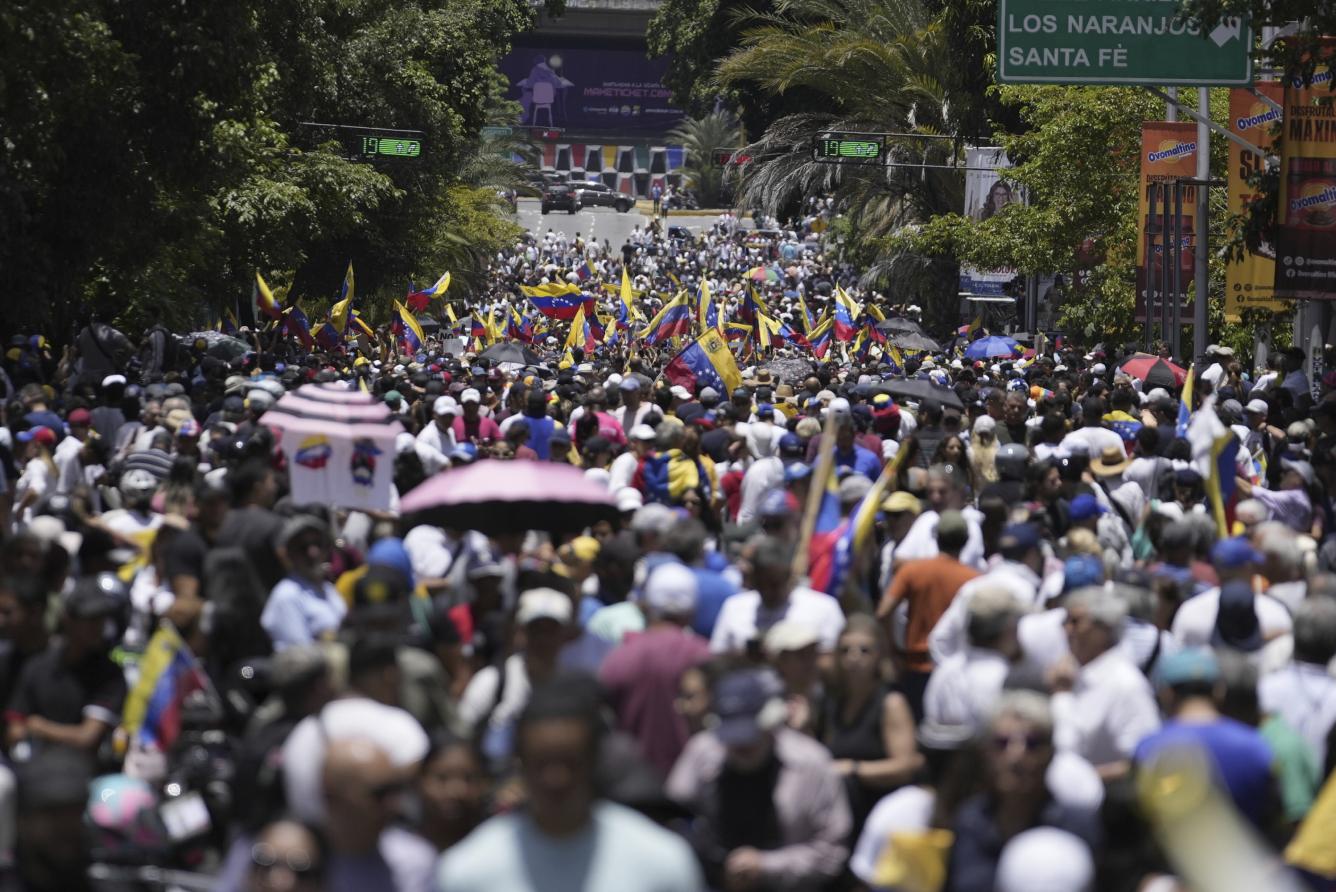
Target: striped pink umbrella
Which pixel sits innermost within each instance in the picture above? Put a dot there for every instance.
(510, 497)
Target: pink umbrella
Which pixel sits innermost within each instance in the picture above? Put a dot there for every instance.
(510, 497)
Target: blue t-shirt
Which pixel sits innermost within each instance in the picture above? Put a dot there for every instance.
(540, 435)
(712, 589)
(299, 613)
(1240, 755)
(861, 460)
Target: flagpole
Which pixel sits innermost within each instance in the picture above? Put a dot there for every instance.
(825, 466)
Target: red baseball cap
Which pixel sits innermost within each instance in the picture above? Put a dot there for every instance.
(44, 435)
(81, 417)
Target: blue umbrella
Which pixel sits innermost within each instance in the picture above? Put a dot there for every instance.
(993, 347)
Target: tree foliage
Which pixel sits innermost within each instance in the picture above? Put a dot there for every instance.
(702, 137)
(152, 154)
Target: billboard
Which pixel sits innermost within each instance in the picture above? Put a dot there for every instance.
(985, 195)
(1250, 281)
(1168, 153)
(1306, 217)
(588, 88)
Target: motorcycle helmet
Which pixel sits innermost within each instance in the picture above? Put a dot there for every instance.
(138, 486)
(1011, 460)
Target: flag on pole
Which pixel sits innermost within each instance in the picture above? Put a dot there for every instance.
(410, 333)
(673, 320)
(1185, 404)
(168, 674)
(262, 300)
(705, 362)
(847, 312)
(338, 314)
(419, 300)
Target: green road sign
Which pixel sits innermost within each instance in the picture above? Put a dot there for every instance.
(496, 131)
(1134, 42)
(847, 148)
(373, 146)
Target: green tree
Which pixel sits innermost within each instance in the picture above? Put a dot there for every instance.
(702, 138)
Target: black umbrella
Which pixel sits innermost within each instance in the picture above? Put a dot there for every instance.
(913, 341)
(790, 370)
(919, 389)
(510, 351)
(899, 324)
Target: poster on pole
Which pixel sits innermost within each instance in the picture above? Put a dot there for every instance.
(1306, 215)
(1168, 153)
(1250, 280)
(986, 194)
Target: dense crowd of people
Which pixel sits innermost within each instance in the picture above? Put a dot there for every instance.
(1066, 627)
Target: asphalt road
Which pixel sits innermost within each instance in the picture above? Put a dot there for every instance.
(605, 223)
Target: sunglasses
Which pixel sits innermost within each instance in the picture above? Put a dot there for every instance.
(1028, 742)
(266, 858)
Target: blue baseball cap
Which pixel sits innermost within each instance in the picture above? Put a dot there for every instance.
(1231, 554)
(1081, 570)
(1192, 664)
(799, 470)
(792, 445)
(1084, 507)
(1019, 536)
(739, 699)
(764, 409)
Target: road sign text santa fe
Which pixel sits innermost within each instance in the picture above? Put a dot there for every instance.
(1116, 42)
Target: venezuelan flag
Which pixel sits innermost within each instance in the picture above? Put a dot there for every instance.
(419, 300)
(168, 674)
(359, 326)
(737, 331)
(673, 320)
(1185, 404)
(857, 531)
(558, 306)
(296, 325)
(326, 336)
(551, 289)
(410, 332)
(708, 310)
(627, 310)
(584, 272)
(847, 312)
(705, 362)
(263, 302)
(821, 338)
(518, 327)
(808, 322)
(1221, 482)
(228, 323)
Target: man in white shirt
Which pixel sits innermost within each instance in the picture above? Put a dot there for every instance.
(1216, 357)
(439, 434)
(1304, 693)
(1017, 574)
(1102, 703)
(1092, 438)
(1235, 560)
(746, 616)
(624, 466)
(943, 494)
(767, 473)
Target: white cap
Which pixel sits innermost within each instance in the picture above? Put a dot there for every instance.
(789, 635)
(1045, 859)
(839, 406)
(543, 603)
(445, 405)
(670, 590)
(653, 518)
(680, 392)
(259, 399)
(470, 396)
(1158, 393)
(629, 499)
(613, 380)
(1257, 407)
(985, 424)
(598, 475)
(113, 379)
(642, 432)
(1099, 368)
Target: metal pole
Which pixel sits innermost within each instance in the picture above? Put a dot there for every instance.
(1199, 332)
(1171, 106)
(1166, 275)
(1148, 268)
(1032, 304)
(1177, 348)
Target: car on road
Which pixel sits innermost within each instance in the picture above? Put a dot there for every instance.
(598, 195)
(680, 233)
(561, 197)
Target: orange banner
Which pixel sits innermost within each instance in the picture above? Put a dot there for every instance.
(1306, 214)
(1251, 281)
(1168, 153)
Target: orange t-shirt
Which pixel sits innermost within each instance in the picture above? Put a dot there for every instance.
(928, 585)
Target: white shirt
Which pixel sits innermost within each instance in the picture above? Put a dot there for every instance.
(429, 551)
(764, 475)
(442, 441)
(1094, 440)
(1108, 712)
(743, 617)
(964, 688)
(949, 635)
(1194, 623)
(480, 694)
(622, 470)
(921, 540)
(1304, 695)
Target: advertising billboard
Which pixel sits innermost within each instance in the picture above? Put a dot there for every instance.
(986, 193)
(590, 89)
(1306, 221)
(1250, 280)
(1168, 153)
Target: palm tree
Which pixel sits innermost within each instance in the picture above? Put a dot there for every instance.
(867, 66)
(702, 138)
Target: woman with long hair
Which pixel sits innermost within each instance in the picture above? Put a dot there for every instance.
(867, 724)
(37, 481)
(453, 790)
(951, 453)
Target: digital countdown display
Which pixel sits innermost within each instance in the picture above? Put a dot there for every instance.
(846, 148)
(381, 147)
